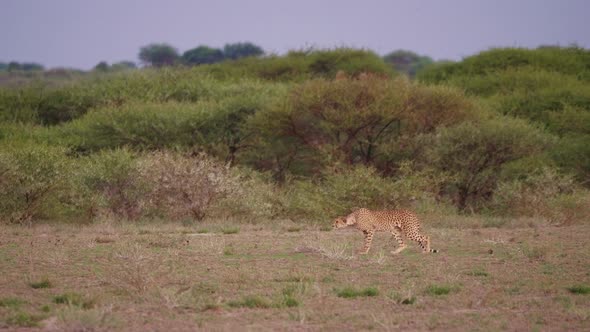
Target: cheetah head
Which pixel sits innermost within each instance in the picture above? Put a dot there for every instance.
(339, 223)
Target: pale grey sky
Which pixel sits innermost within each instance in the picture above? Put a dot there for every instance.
(80, 33)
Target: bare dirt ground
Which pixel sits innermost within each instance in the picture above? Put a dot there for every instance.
(288, 277)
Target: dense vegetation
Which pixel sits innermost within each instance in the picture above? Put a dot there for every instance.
(549, 86)
(307, 135)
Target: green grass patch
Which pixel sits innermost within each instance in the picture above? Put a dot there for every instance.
(74, 299)
(230, 230)
(11, 302)
(202, 231)
(350, 292)
(579, 289)
(23, 319)
(250, 302)
(290, 302)
(438, 290)
(45, 283)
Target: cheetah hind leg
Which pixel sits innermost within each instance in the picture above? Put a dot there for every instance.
(425, 244)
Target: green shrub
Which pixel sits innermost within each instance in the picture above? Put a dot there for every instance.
(257, 199)
(548, 85)
(349, 121)
(215, 124)
(567, 209)
(327, 63)
(139, 126)
(472, 154)
(50, 105)
(572, 153)
(532, 94)
(38, 103)
(570, 120)
(33, 178)
(535, 194)
(109, 184)
(341, 191)
(301, 65)
(568, 60)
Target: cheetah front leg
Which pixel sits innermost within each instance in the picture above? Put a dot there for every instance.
(368, 241)
(398, 236)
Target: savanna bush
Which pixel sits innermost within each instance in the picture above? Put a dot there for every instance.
(257, 198)
(42, 103)
(350, 121)
(126, 185)
(546, 194)
(109, 185)
(186, 186)
(298, 66)
(353, 62)
(48, 105)
(533, 94)
(567, 60)
(139, 126)
(530, 194)
(215, 126)
(33, 178)
(473, 154)
(340, 191)
(572, 153)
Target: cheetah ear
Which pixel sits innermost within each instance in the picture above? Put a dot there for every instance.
(350, 220)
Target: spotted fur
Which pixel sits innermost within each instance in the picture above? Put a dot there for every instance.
(399, 222)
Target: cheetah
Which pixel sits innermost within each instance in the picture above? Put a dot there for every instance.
(398, 222)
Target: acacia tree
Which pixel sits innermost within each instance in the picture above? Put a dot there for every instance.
(158, 55)
(407, 62)
(202, 55)
(102, 66)
(474, 153)
(325, 123)
(241, 50)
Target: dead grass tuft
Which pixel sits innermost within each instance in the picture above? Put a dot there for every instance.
(130, 269)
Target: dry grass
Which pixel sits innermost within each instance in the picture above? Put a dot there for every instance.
(175, 277)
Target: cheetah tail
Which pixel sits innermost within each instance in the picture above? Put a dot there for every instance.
(435, 251)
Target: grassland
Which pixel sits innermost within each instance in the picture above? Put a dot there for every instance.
(524, 275)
